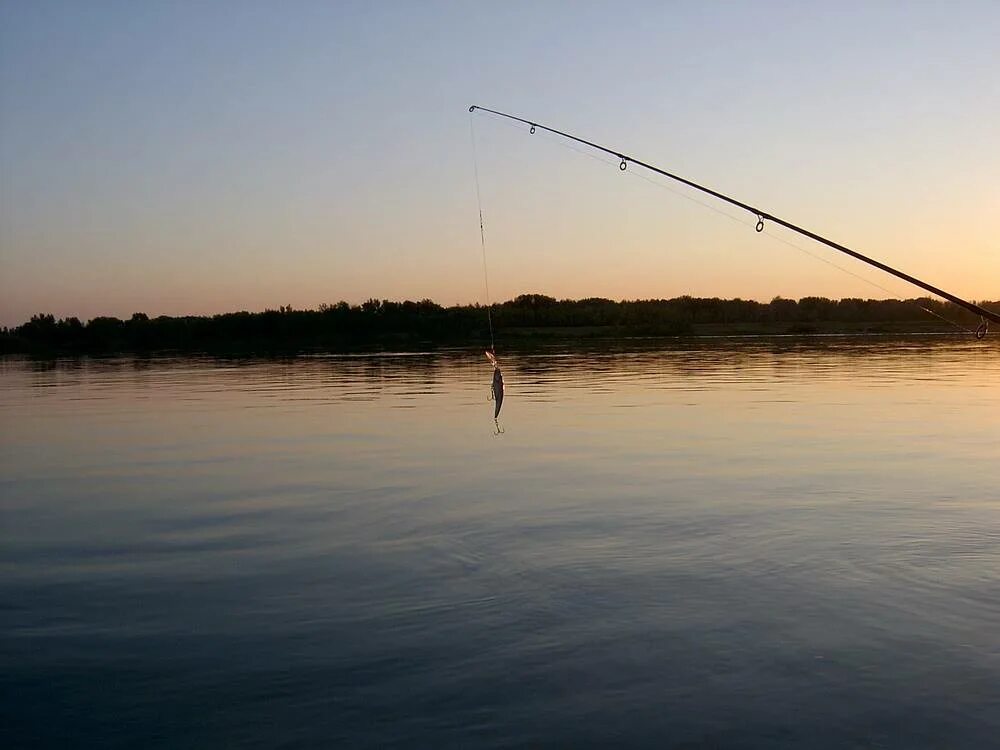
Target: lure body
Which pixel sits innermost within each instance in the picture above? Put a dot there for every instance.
(497, 390)
(497, 386)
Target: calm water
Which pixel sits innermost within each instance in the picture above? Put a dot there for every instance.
(774, 543)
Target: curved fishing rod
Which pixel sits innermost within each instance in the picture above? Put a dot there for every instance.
(761, 215)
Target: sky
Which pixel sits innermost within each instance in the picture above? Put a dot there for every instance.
(193, 157)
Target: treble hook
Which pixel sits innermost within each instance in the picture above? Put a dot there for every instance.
(500, 430)
(983, 329)
(760, 223)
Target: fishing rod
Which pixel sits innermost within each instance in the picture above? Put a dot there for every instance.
(624, 160)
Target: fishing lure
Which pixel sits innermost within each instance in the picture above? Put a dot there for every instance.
(496, 389)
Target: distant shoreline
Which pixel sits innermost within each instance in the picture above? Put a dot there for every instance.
(523, 321)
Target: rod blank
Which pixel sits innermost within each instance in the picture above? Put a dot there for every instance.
(761, 217)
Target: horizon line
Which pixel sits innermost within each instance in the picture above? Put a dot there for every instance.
(478, 304)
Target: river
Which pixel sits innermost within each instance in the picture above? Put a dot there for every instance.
(737, 543)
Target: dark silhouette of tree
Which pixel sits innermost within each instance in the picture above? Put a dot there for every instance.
(408, 324)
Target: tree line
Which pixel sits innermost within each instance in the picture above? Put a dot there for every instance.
(385, 323)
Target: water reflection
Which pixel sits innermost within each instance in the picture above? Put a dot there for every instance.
(765, 543)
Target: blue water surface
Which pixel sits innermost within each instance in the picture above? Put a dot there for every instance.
(705, 543)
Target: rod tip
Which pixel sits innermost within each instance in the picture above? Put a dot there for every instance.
(472, 108)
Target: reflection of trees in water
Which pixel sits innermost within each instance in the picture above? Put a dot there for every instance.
(397, 370)
(549, 373)
(722, 359)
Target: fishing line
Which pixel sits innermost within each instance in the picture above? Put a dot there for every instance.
(779, 238)
(985, 315)
(482, 230)
(715, 209)
(743, 223)
(497, 386)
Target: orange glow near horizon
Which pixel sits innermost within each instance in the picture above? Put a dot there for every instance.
(335, 162)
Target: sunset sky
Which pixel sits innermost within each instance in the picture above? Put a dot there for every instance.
(197, 157)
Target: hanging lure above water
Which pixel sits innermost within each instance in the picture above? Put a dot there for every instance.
(985, 315)
(496, 389)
